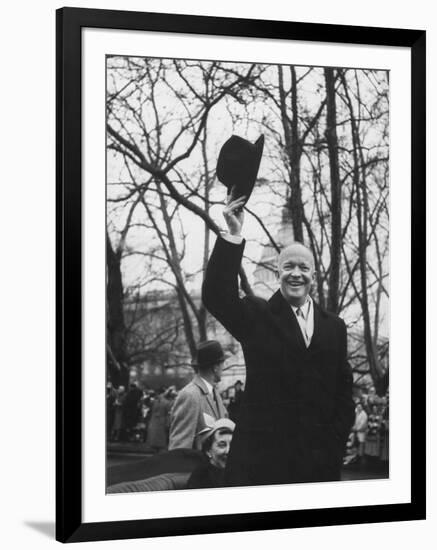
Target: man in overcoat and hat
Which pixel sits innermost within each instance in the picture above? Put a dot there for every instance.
(297, 408)
(199, 401)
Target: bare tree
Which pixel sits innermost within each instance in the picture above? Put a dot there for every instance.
(336, 202)
(325, 169)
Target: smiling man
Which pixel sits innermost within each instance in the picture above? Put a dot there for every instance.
(296, 273)
(297, 408)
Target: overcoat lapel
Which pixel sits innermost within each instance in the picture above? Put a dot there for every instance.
(286, 322)
(212, 404)
(319, 333)
(209, 399)
(288, 326)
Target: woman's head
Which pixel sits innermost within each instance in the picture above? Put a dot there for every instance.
(217, 442)
(217, 446)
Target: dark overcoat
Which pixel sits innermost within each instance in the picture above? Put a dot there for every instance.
(297, 407)
(159, 423)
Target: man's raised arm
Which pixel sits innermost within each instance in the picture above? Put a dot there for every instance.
(220, 288)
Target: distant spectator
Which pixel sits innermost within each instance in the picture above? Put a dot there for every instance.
(131, 408)
(226, 398)
(118, 423)
(364, 399)
(351, 450)
(110, 399)
(143, 420)
(235, 401)
(360, 429)
(159, 423)
(384, 452)
(373, 437)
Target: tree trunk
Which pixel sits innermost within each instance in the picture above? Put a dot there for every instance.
(332, 142)
(379, 377)
(296, 206)
(202, 308)
(118, 371)
(293, 152)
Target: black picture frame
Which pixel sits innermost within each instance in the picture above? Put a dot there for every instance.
(69, 24)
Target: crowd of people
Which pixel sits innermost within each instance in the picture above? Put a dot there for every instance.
(144, 415)
(139, 414)
(369, 438)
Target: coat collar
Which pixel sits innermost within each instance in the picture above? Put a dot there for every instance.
(217, 408)
(200, 383)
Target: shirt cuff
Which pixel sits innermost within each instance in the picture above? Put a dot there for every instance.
(235, 239)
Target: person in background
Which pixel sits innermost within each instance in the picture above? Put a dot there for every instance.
(384, 451)
(373, 437)
(351, 450)
(118, 423)
(159, 422)
(199, 400)
(360, 429)
(235, 402)
(216, 442)
(143, 420)
(110, 400)
(131, 408)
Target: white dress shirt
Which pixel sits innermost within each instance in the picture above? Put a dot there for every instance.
(305, 319)
(234, 239)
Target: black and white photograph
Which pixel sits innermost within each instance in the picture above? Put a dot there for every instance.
(247, 273)
(218, 275)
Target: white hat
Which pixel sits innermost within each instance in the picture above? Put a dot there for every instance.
(212, 427)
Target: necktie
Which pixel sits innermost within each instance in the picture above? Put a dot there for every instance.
(302, 323)
(214, 394)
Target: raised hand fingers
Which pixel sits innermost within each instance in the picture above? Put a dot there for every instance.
(235, 205)
(234, 215)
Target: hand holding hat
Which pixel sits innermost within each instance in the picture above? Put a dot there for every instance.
(238, 164)
(234, 214)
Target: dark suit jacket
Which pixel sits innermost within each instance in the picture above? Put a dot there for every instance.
(297, 408)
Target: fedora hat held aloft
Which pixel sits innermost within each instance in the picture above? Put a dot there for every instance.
(238, 164)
